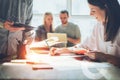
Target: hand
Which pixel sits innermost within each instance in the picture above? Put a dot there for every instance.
(58, 51)
(97, 56)
(52, 51)
(28, 41)
(90, 55)
(8, 26)
(102, 57)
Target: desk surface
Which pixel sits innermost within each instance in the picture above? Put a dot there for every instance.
(64, 67)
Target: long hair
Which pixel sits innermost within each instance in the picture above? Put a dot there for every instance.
(45, 15)
(112, 18)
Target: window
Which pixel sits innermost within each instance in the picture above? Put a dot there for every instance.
(80, 7)
(54, 6)
(76, 8)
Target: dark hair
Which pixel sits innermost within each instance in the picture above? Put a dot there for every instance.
(64, 11)
(112, 9)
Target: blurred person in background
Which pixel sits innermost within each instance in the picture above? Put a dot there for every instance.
(71, 29)
(46, 27)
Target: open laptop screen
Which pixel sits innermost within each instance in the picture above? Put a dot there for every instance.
(62, 37)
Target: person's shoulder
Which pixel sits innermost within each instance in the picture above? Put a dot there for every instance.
(72, 24)
(40, 27)
(59, 26)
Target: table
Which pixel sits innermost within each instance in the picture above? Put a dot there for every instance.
(64, 67)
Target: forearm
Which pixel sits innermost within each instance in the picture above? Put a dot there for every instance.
(102, 57)
(74, 41)
(58, 51)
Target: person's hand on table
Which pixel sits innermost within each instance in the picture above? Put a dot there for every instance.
(91, 55)
(102, 57)
(96, 56)
(54, 51)
(57, 51)
(9, 26)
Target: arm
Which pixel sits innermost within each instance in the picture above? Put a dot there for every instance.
(74, 41)
(77, 38)
(29, 12)
(90, 41)
(102, 57)
(69, 50)
(56, 51)
(9, 26)
(30, 34)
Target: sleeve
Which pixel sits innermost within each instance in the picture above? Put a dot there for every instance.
(118, 39)
(118, 44)
(29, 11)
(29, 36)
(90, 42)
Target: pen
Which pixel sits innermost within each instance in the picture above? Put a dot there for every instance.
(42, 68)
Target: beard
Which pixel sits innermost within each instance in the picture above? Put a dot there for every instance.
(64, 22)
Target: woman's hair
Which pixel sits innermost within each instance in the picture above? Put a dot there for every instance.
(112, 18)
(45, 15)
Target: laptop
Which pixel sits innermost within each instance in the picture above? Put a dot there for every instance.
(62, 38)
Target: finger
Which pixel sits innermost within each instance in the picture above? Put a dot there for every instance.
(52, 51)
(90, 55)
(87, 53)
(22, 28)
(12, 29)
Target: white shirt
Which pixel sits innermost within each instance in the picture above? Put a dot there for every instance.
(96, 42)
